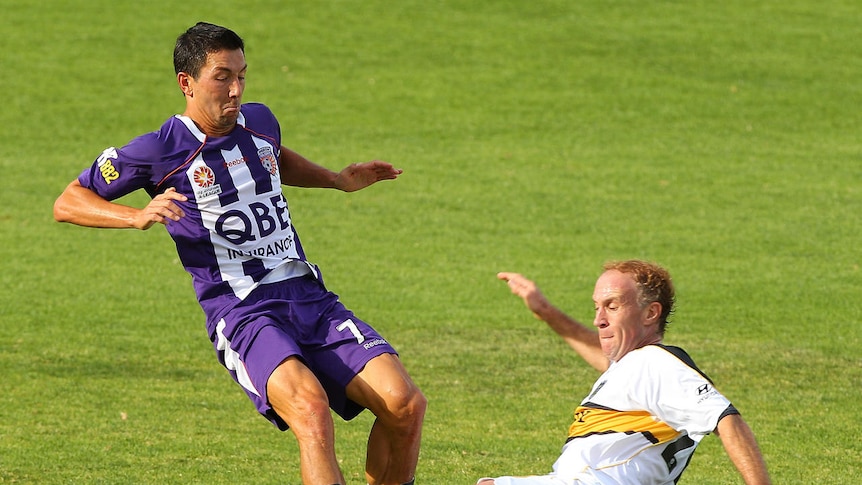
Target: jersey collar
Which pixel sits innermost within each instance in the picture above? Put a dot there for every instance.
(197, 133)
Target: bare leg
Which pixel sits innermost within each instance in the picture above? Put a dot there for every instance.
(297, 396)
(385, 388)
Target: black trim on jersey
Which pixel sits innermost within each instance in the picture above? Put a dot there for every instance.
(685, 358)
(731, 409)
(593, 405)
(672, 449)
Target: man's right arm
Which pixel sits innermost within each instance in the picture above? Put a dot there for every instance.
(582, 339)
(80, 205)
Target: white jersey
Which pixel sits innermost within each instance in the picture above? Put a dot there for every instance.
(642, 420)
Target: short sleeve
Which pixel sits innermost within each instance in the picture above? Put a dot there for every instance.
(678, 393)
(118, 172)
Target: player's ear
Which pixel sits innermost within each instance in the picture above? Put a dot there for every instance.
(185, 82)
(653, 312)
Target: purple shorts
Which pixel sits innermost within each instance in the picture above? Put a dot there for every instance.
(296, 317)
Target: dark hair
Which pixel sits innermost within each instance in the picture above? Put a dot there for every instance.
(190, 53)
(654, 284)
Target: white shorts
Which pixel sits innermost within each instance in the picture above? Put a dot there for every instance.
(531, 480)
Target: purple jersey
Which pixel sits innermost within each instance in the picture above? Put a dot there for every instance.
(237, 229)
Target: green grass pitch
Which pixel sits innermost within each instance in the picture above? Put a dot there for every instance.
(721, 139)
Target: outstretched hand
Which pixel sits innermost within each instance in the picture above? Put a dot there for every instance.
(527, 290)
(357, 176)
(584, 340)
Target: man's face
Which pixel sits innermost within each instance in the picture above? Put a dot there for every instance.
(623, 325)
(214, 98)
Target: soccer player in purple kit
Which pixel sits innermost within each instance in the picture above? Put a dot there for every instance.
(214, 174)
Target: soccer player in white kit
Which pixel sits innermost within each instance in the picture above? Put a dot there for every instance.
(651, 406)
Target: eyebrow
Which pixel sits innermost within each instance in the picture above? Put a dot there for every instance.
(227, 69)
(607, 299)
(619, 296)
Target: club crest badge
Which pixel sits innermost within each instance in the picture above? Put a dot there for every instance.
(268, 160)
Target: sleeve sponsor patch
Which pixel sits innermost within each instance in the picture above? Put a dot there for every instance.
(106, 165)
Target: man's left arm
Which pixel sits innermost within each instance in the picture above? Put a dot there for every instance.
(298, 171)
(741, 447)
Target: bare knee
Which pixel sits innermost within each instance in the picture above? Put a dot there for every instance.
(417, 405)
(306, 414)
(299, 399)
(406, 409)
(386, 389)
